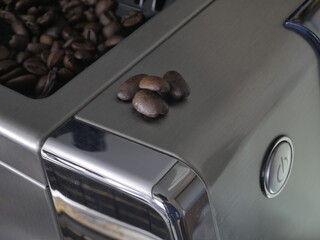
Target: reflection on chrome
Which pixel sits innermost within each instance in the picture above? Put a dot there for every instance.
(306, 21)
(106, 187)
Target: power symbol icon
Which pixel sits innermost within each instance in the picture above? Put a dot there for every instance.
(281, 173)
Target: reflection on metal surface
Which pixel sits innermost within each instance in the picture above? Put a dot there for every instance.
(306, 21)
(111, 188)
(186, 201)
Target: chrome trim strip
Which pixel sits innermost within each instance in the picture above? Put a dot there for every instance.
(176, 194)
(306, 22)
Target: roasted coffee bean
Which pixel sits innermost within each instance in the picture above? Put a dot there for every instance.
(132, 18)
(179, 87)
(54, 32)
(44, 56)
(4, 53)
(73, 11)
(7, 65)
(37, 48)
(71, 63)
(76, 18)
(46, 19)
(102, 48)
(18, 41)
(27, 17)
(35, 65)
(130, 87)
(154, 83)
(56, 46)
(22, 56)
(70, 5)
(93, 26)
(65, 74)
(90, 2)
(24, 4)
(33, 27)
(87, 46)
(150, 104)
(34, 11)
(113, 40)
(46, 39)
(24, 83)
(83, 55)
(107, 17)
(46, 84)
(16, 72)
(90, 16)
(55, 59)
(111, 28)
(16, 24)
(104, 6)
(68, 33)
(90, 35)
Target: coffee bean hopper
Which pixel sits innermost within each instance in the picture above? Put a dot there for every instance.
(235, 160)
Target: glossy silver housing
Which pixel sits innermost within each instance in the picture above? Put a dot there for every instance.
(90, 160)
(306, 21)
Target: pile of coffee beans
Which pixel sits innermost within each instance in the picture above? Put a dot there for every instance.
(150, 94)
(45, 43)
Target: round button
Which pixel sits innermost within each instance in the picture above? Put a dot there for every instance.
(277, 167)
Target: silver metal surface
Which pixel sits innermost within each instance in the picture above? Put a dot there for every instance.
(27, 122)
(277, 167)
(185, 198)
(306, 21)
(25, 208)
(251, 80)
(87, 168)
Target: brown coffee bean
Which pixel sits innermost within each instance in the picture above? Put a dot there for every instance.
(93, 26)
(34, 11)
(16, 24)
(104, 6)
(37, 48)
(18, 41)
(46, 84)
(83, 55)
(76, 18)
(46, 19)
(70, 5)
(16, 72)
(179, 87)
(22, 56)
(111, 28)
(150, 104)
(46, 39)
(130, 87)
(44, 56)
(56, 46)
(68, 33)
(132, 18)
(4, 53)
(55, 59)
(54, 32)
(24, 83)
(35, 65)
(107, 17)
(154, 83)
(90, 16)
(65, 74)
(7, 65)
(102, 48)
(71, 63)
(90, 2)
(113, 40)
(24, 4)
(33, 27)
(87, 46)
(90, 35)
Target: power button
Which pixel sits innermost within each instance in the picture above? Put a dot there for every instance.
(277, 167)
